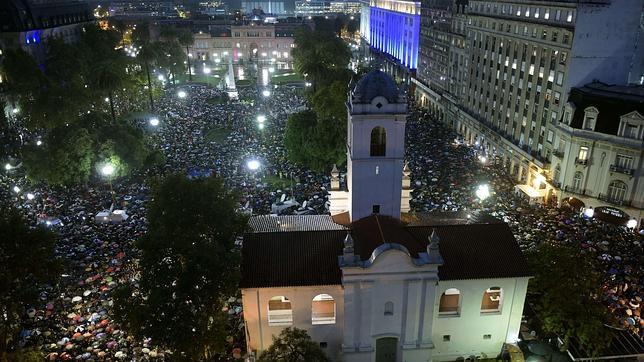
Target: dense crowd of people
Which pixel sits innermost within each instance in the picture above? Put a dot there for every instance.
(201, 135)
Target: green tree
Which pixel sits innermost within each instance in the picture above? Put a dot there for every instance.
(65, 158)
(188, 268)
(293, 345)
(186, 38)
(147, 56)
(564, 295)
(297, 136)
(26, 263)
(108, 76)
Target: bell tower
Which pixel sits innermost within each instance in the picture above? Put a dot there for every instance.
(375, 151)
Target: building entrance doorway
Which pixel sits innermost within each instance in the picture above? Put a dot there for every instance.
(386, 349)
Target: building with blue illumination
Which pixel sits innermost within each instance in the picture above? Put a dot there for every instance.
(28, 23)
(394, 28)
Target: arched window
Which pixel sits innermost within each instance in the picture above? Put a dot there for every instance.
(389, 308)
(577, 180)
(449, 302)
(492, 300)
(378, 142)
(617, 191)
(280, 312)
(323, 309)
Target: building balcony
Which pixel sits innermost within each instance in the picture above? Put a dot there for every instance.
(614, 201)
(558, 153)
(575, 190)
(583, 162)
(620, 169)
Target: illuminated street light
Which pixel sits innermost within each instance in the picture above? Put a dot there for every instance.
(161, 77)
(16, 189)
(206, 70)
(182, 94)
(266, 93)
(15, 111)
(253, 165)
(107, 170)
(30, 196)
(154, 122)
(589, 212)
(631, 224)
(261, 126)
(261, 118)
(483, 159)
(483, 192)
(308, 84)
(8, 166)
(39, 143)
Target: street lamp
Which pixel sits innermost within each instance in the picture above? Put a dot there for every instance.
(108, 170)
(483, 159)
(631, 224)
(16, 189)
(483, 192)
(261, 118)
(8, 166)
(266, 93)
(261, 126)
(253, 165)
(182, 94)
(161, 77)
(30, 196)
(154, 122)
(589, 212)
(206, 70)
(39, 143)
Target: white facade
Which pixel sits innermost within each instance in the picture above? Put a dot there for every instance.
(375, 160)
(260, 330)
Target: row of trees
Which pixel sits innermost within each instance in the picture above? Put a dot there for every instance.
(76, 96)
(316, 138)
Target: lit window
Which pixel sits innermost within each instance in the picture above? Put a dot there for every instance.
(617, 191)
(492, 299)
(279, 311)
(583, 153)
(449, 303)
(323, 309)
(569, 17)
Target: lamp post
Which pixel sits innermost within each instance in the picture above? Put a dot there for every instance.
(483, 192)
(154, 122)
(108, 170)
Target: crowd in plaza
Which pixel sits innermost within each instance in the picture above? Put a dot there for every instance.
(200, 136)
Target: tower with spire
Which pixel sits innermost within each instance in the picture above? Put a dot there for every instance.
(377, 180)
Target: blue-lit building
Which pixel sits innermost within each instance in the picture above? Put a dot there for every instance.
(394, 27)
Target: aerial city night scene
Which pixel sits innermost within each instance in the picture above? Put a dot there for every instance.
(321, 180)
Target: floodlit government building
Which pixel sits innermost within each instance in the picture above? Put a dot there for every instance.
(373, 282)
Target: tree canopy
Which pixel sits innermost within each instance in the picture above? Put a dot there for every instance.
(189, 267)
(293, 345)
(564, 296)
(26, 263)
(316, 138)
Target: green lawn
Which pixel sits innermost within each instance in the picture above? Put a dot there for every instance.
(287, 78)
(276, 182)
(217, 134)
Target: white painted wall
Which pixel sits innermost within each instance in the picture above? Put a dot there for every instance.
(392, 278)
(366, 188)
(467, 329)
(604, 43)
(259, 333)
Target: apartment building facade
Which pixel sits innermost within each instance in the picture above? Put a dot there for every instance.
(511, 65)
(598, 153)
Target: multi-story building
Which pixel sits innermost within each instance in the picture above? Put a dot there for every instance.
(265, 42)
(311, 8)
(598, 153)
(520, 61)
(393, 31)
(28, 24)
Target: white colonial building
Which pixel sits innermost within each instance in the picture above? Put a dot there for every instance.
(370, 287)
(599, 151)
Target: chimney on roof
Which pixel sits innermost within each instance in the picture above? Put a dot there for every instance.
(433, 249)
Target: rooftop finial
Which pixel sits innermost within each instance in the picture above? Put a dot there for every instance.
(433, 249)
